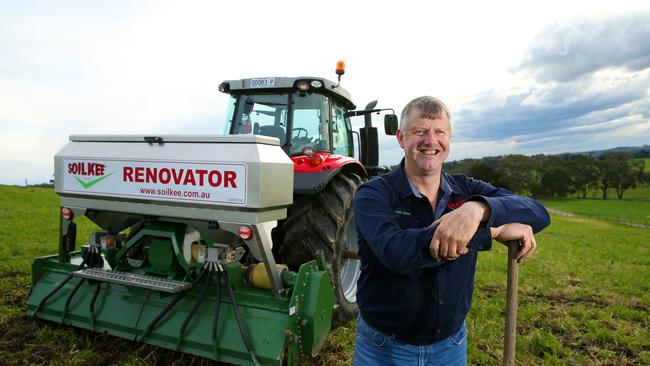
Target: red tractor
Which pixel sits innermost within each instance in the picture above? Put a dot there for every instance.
(311, 118)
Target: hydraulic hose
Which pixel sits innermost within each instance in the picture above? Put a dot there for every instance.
(193, 311)
(69, 300)
(57, 288)
(217, 306)
(169, 306)
(98, 287)
(240, 324)
(94, 260)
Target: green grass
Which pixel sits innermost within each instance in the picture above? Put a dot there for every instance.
(647, 163)
(584, 298)
(622, 211)
(641, 193)
(29, 226)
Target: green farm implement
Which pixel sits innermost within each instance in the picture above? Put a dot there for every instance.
(238, 248)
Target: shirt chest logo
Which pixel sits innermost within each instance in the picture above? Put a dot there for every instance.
(455, 205)
(402, 213)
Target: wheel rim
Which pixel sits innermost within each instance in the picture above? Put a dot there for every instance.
(350, 268)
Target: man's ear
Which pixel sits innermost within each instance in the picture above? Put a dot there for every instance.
(400, 138)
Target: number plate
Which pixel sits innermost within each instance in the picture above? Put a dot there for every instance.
(262, 83)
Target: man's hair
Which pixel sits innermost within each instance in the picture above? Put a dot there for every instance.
(429, 107)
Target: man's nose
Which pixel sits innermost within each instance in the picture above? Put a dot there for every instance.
(428, 137)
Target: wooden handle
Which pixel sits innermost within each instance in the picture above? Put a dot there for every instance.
(511, 305)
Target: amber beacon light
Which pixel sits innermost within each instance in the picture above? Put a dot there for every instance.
(340, 68)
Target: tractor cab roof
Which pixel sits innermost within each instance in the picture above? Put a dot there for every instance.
(306, 83)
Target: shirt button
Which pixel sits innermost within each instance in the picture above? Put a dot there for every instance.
(437, 331)
(480, 247)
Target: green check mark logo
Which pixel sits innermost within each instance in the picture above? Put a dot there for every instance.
(91, 183)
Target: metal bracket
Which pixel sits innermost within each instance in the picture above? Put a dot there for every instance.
(262, 231)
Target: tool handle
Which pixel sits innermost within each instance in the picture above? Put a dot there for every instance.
(511, 305)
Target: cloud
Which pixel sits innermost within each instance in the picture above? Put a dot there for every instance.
(118, 67)
(590, 89)
(554, 106)
(565, 52)
(557, 118)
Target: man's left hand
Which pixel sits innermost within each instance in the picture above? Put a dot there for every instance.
(455, 229)
(516, 231)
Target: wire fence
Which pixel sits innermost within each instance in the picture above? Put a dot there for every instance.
(641, 222)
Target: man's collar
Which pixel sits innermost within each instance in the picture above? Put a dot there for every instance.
(407, 188)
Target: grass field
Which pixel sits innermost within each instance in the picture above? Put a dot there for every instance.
(637, 212)
(584, 298)
(647, 163)
(641, 193)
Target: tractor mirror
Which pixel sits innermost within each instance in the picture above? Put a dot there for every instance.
(390, 124)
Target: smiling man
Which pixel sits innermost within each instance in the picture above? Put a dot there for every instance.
(420, 230)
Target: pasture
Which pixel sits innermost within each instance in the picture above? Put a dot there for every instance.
(621, 211)
(584, 296)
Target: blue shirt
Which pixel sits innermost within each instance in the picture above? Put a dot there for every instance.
(402, 291)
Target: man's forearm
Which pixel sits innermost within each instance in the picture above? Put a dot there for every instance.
(482, 210)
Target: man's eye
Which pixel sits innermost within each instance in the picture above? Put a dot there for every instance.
(419, 132)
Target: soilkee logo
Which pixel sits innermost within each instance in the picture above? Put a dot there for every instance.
(93, 172)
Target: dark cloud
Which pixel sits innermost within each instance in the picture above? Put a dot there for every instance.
(553, 107)
(565, 52)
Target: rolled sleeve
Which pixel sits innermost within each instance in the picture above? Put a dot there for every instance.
(506, 207)
(513, 208)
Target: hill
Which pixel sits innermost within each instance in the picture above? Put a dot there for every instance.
(638, 151)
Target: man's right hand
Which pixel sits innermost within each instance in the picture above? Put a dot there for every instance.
(455, 229)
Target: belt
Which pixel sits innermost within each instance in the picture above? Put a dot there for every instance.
(401, 338)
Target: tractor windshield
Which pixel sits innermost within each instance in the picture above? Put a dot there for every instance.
(268, 114)
(310, 123)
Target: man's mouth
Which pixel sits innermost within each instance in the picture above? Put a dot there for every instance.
(430, 151)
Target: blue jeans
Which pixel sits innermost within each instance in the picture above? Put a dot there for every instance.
(372, 347)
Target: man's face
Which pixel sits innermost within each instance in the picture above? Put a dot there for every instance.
(426, 143)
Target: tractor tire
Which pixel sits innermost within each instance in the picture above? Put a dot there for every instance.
(324, 221)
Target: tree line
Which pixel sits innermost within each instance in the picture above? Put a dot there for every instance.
(558, 175)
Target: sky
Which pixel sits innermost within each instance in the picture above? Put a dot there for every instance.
(519, 77)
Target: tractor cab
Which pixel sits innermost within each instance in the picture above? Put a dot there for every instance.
(306, 114)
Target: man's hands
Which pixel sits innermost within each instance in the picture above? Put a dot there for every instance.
(516, 231)
(455, 229)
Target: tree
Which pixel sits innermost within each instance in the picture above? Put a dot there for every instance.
(618, 170)
(608, 170)
(585, 173)
(480, 169)
(551, 176)
(516, 173)
(556, 181)
(630, 176)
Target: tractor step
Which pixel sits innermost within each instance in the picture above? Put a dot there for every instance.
(131, 279)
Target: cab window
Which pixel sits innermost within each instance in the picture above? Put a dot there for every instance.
(262, 114)
(341, 134)
(229, 115)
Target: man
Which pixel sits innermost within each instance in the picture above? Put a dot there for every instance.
(419, 232)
